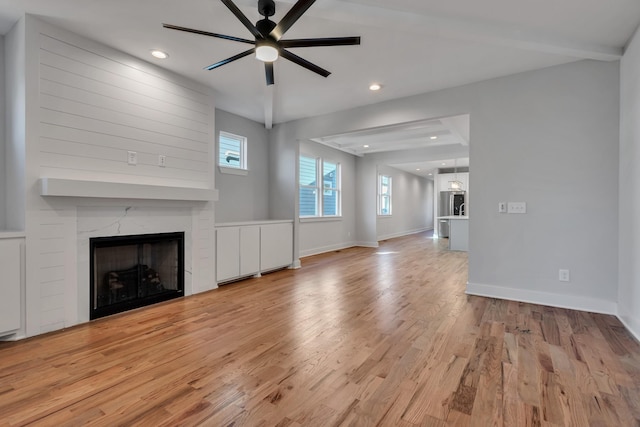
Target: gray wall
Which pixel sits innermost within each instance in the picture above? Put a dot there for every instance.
(244, 198)
(546, 137)
(412, 204)
(3, 175)
(318, 235)
(629, 292)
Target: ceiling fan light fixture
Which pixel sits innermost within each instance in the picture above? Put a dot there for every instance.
(266, 52)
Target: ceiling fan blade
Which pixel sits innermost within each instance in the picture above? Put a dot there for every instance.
(330, 41)
(241, 16)
(206, 33)
(233, 58)
(290, 18)
(304, 63)
(268, 69)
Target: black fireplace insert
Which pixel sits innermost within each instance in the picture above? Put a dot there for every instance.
(129, 272)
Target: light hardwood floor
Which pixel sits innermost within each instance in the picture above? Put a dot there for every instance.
(361, 337)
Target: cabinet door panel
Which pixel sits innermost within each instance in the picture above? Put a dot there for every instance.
(249, 250)
(227, 253)
(10, 265)
(276, 243)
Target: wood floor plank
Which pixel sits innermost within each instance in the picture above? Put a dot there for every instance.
(363, 336)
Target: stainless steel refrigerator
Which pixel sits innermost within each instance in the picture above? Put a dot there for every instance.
(450, 203)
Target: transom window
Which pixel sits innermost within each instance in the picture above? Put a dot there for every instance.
(232, 151)
(319, 188)
(384, 195)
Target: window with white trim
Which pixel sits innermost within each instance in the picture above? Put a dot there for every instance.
(232, 151)
(319, 184)
(384, 195)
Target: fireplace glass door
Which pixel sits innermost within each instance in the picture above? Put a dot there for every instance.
(133, 271)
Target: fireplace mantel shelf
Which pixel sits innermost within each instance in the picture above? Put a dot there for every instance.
(120, 190)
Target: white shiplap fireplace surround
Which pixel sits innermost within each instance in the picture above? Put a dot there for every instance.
(103, 209)
(76, 108)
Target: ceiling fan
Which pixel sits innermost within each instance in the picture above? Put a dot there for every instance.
(268, 42)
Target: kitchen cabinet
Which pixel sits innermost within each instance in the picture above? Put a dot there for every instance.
(251, 248)
(459, 234)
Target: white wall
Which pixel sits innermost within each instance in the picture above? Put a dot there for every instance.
(15, 132)
(244, 198)
(412, 204)
(629, 210)
(546, 137)
(84, 105)
(319, 235)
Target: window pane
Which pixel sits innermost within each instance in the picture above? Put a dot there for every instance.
(230, 150)
(385, 205)
(385, 184)
(330, 203)
(384, 195)
(330, 175)
(308, 202)
(308, 174)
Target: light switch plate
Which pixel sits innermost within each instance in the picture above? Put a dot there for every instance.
(502, 207)
(564, 275)
(132, 157)
(517, 207)
(162, 161)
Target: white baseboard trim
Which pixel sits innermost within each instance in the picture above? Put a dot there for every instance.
(325, 249)
(367, 244)
(572, 302)
(15, 336)
(632, 324)
(404, 233)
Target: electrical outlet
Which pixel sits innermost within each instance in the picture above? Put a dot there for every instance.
(517, 207)
(132, 157)
(502, 207)
(564, 276)
(162, 161)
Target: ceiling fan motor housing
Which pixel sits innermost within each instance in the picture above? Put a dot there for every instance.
(266, 8)
(265, 26)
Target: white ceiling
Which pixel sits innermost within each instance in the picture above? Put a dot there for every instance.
(452, 132)
(429, 168)
(409, 46)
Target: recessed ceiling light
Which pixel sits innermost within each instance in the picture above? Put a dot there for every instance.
(430, 174)
(433, 137)
(417, 169)
(375, 86)
(159, 54)
(444, 164)
(365, 146)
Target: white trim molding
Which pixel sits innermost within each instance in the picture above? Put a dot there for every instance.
(632, 324)
(121, 190)
(572, 302)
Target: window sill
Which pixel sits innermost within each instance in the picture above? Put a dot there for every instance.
(384, 216)
(233, 171)
(320, 219)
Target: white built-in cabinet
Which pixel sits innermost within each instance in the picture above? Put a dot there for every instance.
(251, 248)
(11, 266)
